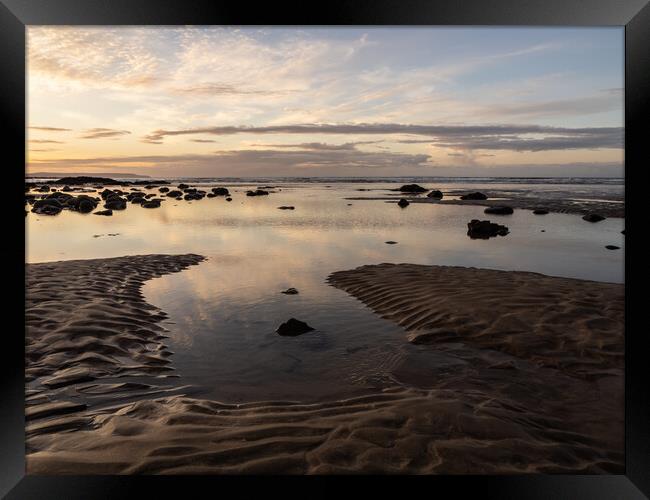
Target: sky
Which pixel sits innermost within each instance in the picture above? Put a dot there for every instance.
(360, 102)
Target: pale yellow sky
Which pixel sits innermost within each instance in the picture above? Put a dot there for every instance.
(186, 101)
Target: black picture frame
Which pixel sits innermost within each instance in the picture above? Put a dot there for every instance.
(16, 14)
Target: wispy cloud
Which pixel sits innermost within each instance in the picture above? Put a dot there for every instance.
(103, 133)
(45, 141)
(50, 129)
(507, 137)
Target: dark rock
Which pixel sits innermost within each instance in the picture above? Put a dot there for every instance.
(403, 203)
(75, 181)
(86, 205)
(290, 291)
(435, 194)
(484, 229)
(150, 195)
(163, 189)
(220, 191)
(115, 204)
(412, 188)
(257, 192)
(474, 196)
(612, 247)
(175, 193)
(149, 182)
(151, 204)
(593, 217)
(228, 199)
(499, 210)
(104, 212)
(47, 206)
(44, 189)
(212, 195)
(540, 211)
(391, 242)
(182, 186)
(293, 327)
(190, 190)
(66, 189)
(623, 232)
(104, 194)
(149, 186)
(285, 207)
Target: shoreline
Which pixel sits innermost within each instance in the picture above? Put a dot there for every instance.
(485, 419)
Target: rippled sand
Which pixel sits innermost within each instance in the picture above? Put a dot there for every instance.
(540, 387)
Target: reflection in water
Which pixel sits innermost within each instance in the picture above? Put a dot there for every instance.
(224, 312)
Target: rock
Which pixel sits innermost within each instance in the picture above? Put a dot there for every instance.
(484, 229)
(391, 243)
(66, 189)
(257, 192)
(540, 211)
(47, 207)
(86, 205)
(412, 188)
(182, 186)
(435, 194)
(115, 204)
(612, 247)
(163, 189)
(190, 190)
(150, 195)
(474, 196)
(290, 291)
(285, 207)
(151, 204)
(403, 203)
(228, 199)
(212, 195)
(220, 191)
(499, 210)
(75, 181)
(104, 212)
(149, 186)
(175, 193)
(293, 327)
(44, 189)
(593, 217)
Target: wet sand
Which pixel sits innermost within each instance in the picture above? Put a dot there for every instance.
(539, 390)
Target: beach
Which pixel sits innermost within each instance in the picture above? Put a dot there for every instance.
(169, 363)
(558, 409)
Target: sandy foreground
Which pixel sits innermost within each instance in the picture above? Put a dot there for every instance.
(538, 388)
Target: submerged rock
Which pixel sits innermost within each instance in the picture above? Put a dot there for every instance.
(293, 328)
(484, 229)
(499, 210)
(403, 203)
(290, 291)
(474, 196)
(540, 211)
(412, 188)
(257, 192)
(592, 217)
(104, 212)
(435, 194)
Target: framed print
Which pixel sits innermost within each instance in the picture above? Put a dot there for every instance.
(377, 239)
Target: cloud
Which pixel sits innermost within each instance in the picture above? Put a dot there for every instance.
(249, 161)
(319, 146)
(103, 133)
(496, 137)
(201, 140)
(45, 141)
(223, 89)
(50, 129)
